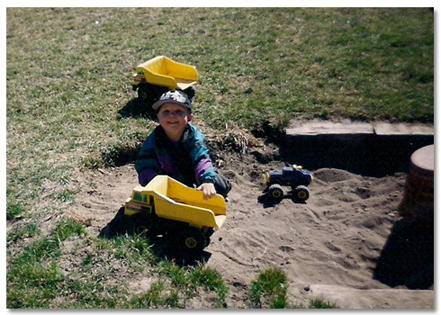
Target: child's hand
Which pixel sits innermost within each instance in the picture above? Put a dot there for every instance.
(207, 189)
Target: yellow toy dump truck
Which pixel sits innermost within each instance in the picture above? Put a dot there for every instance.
(160, 74)
(178, 211)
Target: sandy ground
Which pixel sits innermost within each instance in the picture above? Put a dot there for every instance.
(328, 247)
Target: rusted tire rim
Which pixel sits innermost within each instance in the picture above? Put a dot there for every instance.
(143, 95)
(191, 242)
(302, 194)
(276, 194)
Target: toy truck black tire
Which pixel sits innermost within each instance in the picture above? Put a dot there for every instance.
(275, 191)
(194, 239)
(300, 193)
(150, 93)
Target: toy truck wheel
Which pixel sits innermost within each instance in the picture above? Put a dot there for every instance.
(209, 231)
(195, 240)
(300, 193)
(275, 191)
(149, 92)
(190, 91)
(143, 92)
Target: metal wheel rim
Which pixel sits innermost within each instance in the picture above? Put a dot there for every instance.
(302, 194)
(191, 242)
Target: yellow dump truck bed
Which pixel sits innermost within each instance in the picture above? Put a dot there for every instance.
(172, 200)
(165, 72)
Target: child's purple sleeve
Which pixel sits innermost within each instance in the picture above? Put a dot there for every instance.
(204, 171)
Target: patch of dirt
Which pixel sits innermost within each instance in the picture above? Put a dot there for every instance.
(328, 247)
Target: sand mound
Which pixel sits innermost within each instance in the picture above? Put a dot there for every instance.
(328, 246)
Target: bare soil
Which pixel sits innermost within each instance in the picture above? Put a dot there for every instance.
(328, 246)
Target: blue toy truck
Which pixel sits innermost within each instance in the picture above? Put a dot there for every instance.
(295, 177)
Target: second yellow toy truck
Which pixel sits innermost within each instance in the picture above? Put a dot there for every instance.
(160, 74)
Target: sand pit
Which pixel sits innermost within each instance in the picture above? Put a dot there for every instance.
(328, 247)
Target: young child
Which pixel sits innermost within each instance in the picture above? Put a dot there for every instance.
(177, 149)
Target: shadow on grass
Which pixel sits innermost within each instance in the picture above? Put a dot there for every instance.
(164, 245)
(138, 108)
(148, 94)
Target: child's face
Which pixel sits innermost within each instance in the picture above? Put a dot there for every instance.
(173, 118)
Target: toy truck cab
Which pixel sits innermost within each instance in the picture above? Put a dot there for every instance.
(139, 201)
(179, 209)
(290, 176)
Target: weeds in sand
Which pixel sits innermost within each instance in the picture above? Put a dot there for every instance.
(18, 233)
(202, 276)
(269, 289)
(191, 279)
(65, 229)
(156, 297)
(321, 304)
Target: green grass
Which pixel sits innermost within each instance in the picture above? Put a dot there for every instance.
(101, 275)
(33, 275)
(189, 280)
(270, 288)
(68, 83)
(321, 304)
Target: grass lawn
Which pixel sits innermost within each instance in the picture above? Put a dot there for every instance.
(69, 76)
